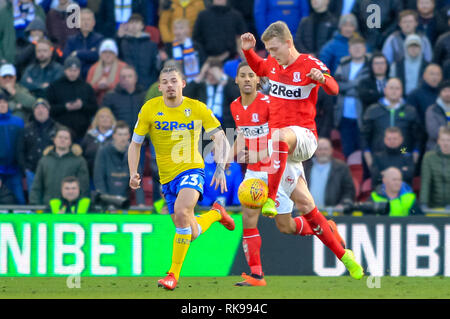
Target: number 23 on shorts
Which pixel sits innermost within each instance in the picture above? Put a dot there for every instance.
(192, 180)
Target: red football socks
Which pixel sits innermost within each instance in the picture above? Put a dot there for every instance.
(322, 230)
(303, 228)
(252, 249)
(277, 165)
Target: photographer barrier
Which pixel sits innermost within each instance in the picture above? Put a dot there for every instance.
(141, 245)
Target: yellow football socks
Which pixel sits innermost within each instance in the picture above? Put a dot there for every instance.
(181, 243)
(207, 219)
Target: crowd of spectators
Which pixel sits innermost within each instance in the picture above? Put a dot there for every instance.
(74, 74)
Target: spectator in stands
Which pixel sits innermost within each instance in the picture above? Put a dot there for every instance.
(6, 197)
(329, 179)
(337, 48)
(70, 201)
(375, 31)
(111, 174)
(348, 109)
(371, 89)
(26, 47)
(398, 194)
(39, 133)
(183, 49)
(11, 160)
(216, 29)
(429, 21)
(393, 155)
(84, 45)
(38, 76)
(438, 115)
(269, 11)
(316, 29)
(56, 22)
(441, 53)
(390, 111)
(174, 10)
(394, 48)
(137, 50)
(234, 178)
(126, 100)
(411, 67)
(112, 14)
(19, 14)
(72, 99)
(103, 76)
(20, 100)
(100, 134)
(59, 161)
(427, 92)
(216, 90)
(435, 175)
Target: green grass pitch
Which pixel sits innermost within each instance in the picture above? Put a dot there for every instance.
(278, 287)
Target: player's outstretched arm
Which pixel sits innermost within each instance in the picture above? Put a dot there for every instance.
(221, 155)
(134, 152)
(256, 63)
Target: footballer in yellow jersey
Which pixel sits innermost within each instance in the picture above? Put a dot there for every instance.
(175, 134)
(175, 123)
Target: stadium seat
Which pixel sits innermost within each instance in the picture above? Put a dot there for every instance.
(338, 155)
(355, 158)
(154, 34)
(366, 189)
(335, 138)
(357, 172)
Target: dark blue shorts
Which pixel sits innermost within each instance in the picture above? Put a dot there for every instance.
(192, 178)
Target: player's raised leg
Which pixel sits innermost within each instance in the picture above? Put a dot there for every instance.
(251, 243)
(283, 141)
(305, 203)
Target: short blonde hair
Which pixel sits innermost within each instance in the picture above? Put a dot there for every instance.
(279, 30)
(107, 111)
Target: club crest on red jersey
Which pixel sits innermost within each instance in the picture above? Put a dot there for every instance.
(297, 77)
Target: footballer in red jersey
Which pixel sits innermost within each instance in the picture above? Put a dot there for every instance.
(294, 83)
(251, 114)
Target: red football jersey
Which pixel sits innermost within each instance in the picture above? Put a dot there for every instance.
(253, 122)
(293, 95)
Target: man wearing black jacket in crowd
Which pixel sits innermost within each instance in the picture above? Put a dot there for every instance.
(137, 50)
(370, 89)
(316, 29)
(216, 29)
(393, 155)
(39, 133)
(72, 99)
(126, 99)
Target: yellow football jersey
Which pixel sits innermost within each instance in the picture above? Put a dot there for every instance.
(175, 134)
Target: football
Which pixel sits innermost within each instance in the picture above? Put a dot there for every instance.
(253, 192)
